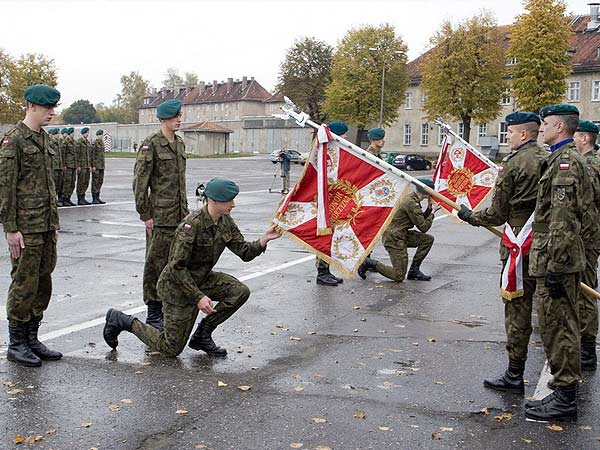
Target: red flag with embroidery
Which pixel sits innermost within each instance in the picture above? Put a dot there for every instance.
(341, 204)
(463, 175)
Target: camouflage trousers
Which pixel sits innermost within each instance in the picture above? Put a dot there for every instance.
(588, 305)
(157, 256)
(398, 251)
(58, 180)
(517, 318)
(321, 265)
(179, 319)
(69, 182)
(97, 180)
(83, 181)
(31, 286)
(559, 328)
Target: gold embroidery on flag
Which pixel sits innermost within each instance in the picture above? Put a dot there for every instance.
(460, 181)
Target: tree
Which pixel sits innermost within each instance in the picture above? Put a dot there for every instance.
(112, 113)
(463, 74)
(133, 89)
(539, 41)
(172, 79)
(81, 111)
(305, 74)
(191, 79)
(16, 75)
(354, 93)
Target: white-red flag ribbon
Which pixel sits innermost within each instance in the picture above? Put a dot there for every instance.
(518, 246)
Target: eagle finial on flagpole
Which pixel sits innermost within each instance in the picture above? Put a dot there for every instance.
(289, 112)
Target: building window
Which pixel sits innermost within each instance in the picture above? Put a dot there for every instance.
(481, 131)
(573, 92)
(502, 133)
(408, 100)
(511, 61)
(596, 90)
(461, 130)
(505, 99)
(407, 134)
(424, 134)
(441, 135)
(598, 52)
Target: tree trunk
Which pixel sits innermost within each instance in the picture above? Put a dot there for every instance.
(466, 120)
(359, 131)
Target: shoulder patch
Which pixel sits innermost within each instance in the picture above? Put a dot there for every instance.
(187, 226)
(564, 166)
(145, 148)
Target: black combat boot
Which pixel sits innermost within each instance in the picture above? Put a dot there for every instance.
(589, 359)
(18, 351)
(67, 201)
(155, 315)
(368, 264)
(511, 380)
(560, 405)
(102, 202)
(116, 322)
(95, 199)
(325, 278)
(202, 340)
(415, 273)
(38, 348)
(81, 200)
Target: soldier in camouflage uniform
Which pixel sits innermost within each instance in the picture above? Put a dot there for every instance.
(29, 215)
(70, 161)
(585, 140)
(513, 203)
(97, 167)
(84, 164)
(57, 163)
(189, 284)
(557, 258)
(399, 237)
(160, 198)
(376, 141)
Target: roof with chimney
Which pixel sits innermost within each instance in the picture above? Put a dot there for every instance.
(585, 47)
(215, 92)
(208, 127)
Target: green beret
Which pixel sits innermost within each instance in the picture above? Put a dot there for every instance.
(338, 128)
(53, 131)
(70, 130)
(375, 134)
(63, 131)
(221, 190)
(84, 130)
(41, 94)
(558, 110)
(588, 127)
(427, 182)
(168, 109)
(518, 118)
(99, 132)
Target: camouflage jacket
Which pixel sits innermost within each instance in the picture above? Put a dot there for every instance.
(68, 153)
(98, 154)
(82, 153)
(160, 169)
(197, 245)
(376, 151)
(515, 192)
(27, 194)
(57, 163)
(590, 228)
(409, 214)
(563, 195)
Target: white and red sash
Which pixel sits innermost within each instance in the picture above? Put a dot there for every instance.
(512, 275)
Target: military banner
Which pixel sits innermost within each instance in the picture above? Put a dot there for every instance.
(341, 204)
(512, 275)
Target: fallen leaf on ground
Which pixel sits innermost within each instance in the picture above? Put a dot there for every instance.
(33, 439)
(14, 391)
(431, 340)
(181, 412)
(221, 384)
(200, 446)
(322, 447)
(414, 426)
(86, 424)
(312, 332)
(554, 427)
(126, 401)
(52, 431)
(356, 307)
(279, 326)
(446, 429)
(9, 384)
(359, 415)
(138, 372)
(295, 338)
(113, 407)
(384, 428)
(527, 441)
(18, 439)
(503, 417)
(296, 375)
(147, 363)
(244, 388)
(355, 330)
(273, 333)
(296, 445)
(319, 420)
(299, 388)
(484, 411)
(440, 382)
(437, 436)
(584, 427)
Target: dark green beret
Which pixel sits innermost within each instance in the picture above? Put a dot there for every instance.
(53, 131)
(558, 110)
(41, 94)
(84, 130)
(588, 127)
(168, 109)
(63, 131)
(518, 118)
(221, 190)
(338, 127)
(70, 130)
(99, 132)
(375, 134)
(427, 182)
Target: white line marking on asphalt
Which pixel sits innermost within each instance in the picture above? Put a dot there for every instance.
(121, 224)
(88, 206)
(542, 389)
(120, 236)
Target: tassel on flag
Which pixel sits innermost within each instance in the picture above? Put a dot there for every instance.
(518, 246)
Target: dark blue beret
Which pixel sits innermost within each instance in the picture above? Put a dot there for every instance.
(338, 128)
(558, 110)
(41, 94)
(168, 109)
(518, 118)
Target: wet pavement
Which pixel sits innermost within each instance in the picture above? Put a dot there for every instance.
(363, 365)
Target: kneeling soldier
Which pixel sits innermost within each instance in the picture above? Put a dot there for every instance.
(188, 283)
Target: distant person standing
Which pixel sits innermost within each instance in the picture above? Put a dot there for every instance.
(83, 166)
(57, 164)
(160, 198)
(376, 141)
(70, 163)
(286, 164)
(97, 167)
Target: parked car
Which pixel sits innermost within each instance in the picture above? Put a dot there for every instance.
(296, 156)
(411, 162)
(388, 157)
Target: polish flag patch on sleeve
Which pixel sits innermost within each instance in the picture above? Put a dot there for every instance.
(564, 166)
(145, 148)
(187, 227)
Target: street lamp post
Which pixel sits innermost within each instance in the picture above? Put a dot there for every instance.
(391, 56)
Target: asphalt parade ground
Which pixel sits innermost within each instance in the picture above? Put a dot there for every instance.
(363, 365)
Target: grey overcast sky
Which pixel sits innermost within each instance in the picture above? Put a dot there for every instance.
(93, 43)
